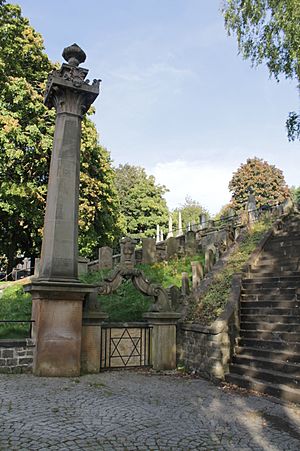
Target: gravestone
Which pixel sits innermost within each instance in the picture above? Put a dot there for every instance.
(190, 243)
(197, 273)
(105, 255)
(209, 258)
(172, 247)
(148, 251)
(185, 284)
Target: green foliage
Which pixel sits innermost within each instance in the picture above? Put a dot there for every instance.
(127, 304)
(296, 194)
(26, 133)
(141, 199)
(212, 303)
(190, 213)
(269, 31)
(265, 180)
(15, 305)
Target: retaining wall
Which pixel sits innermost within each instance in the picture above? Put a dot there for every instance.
(16, 356)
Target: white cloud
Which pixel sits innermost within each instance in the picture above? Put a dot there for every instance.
(205, 182)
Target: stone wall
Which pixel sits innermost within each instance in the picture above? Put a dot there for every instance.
(208, 350)
(16, 356)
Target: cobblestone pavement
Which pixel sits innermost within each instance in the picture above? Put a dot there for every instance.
(139, 411)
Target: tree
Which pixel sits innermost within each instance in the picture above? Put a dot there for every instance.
(142, 203)
(266, 182)
(190, 212)
(26, 131)
(269, 31)
(296, 194)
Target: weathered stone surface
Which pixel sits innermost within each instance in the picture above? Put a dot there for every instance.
(105, 257)
(149, 251)
(185, 284)
(197, 273)
(135, 411)
(163, 344)
(172, 247)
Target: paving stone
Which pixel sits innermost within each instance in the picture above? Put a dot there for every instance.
(140, 411)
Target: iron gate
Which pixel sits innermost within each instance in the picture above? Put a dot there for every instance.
(125, 346)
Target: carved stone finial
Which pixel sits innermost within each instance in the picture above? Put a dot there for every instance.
(74, 55)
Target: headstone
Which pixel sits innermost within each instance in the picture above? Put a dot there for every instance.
(170, 231)
(191, 243)
(209, 258)
(203, 221)
(180, 231)
(197, 273)
(172, 247)
(161, 235)
(82, 265)
(105, 257)
(148, 251)
(251, 208)
(185, 284)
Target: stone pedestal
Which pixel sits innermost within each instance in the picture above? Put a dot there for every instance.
(57, 315)
(91, 341)
(163, 341)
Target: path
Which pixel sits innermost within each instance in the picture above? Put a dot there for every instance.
(139, 411)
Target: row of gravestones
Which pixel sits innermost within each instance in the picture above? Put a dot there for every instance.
(151, 252)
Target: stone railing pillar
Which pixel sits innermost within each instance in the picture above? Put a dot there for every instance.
(91, 341)
(163, 339)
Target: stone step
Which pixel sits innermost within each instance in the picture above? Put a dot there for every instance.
(279, 390)
(266, 326)
(269, 364)
(272, 279)
(270, 283)
(266, 273)
(295, 312)
(274, 335)
(272, 303)
(269, 296)
(272, 376)
(291, 237)
(269, 317)
(269, 344)
(284, 356)
(277, 267)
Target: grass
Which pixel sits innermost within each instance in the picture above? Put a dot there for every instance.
(15, 305)
(127, 304)
(207, 309)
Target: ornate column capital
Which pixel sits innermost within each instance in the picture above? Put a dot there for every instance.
(68, 90)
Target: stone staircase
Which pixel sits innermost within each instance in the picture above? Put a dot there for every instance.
(267, 355)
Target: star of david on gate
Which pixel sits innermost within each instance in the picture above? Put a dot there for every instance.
(135, 341)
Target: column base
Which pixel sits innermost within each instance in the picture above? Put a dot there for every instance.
(57, 312)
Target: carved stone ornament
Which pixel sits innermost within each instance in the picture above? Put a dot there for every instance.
(74, 55)
(67, 89)
(111, 283)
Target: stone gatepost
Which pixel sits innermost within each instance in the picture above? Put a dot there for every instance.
(57, 293)
(92, 322)
(163, 341)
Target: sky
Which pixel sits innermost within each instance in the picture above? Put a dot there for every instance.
(176, 98)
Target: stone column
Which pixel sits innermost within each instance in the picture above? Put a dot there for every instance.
(163, 339)
(57, 293)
